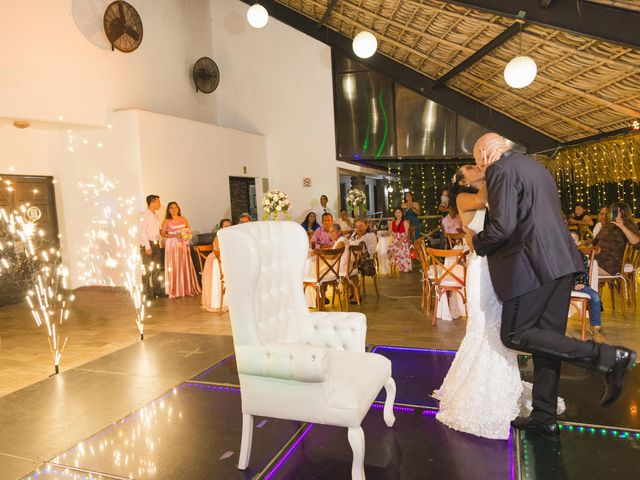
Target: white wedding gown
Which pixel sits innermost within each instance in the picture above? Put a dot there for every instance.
(481, 392)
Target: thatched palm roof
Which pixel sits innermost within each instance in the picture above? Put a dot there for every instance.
(584, 87)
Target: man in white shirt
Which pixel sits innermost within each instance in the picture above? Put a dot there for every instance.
(150, 251)
(362, 235)
(322, 209)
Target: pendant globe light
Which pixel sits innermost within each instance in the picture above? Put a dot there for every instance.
(257, 16)
(365, 44)
(521, 70)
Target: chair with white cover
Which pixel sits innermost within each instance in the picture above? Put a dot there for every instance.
(294, 364)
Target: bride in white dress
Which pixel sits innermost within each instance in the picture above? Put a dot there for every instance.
(481, 392)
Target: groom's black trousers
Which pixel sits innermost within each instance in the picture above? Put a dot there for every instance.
(536, 322)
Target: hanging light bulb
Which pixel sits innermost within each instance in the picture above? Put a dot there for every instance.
(520, 72)
(365, 44)
(257, 16)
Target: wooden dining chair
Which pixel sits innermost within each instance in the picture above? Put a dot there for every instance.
(326, 272)
(426, 273)
(581, 301)
(203, 252)
(454, 239)
(373, 277)
(351, 281)
(617, 283)
(630, 272)
(448, 277)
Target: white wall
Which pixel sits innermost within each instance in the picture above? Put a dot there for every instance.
(56, 61)
(191, 162)
(278, 82)
(142, 153)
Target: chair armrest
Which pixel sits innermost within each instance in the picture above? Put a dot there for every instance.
(336, 330)
(302, 363)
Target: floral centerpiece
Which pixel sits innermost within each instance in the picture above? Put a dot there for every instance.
(274, 202)
(357, 200)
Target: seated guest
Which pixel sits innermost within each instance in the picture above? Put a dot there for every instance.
(321, 237)
(244, 218)
(211, 277)
(310, 224)
(582, 284)
(613, 238)
(443, 206)
(362, 234)
(451, 224)
(345, 221)
(580, 221)
(603, 218)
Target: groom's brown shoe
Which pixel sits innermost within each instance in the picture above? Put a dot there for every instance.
(614, 378)
(549, 431)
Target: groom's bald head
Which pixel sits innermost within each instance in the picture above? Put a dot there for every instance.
(488, 149)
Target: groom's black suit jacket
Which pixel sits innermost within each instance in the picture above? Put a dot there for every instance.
(525, 239)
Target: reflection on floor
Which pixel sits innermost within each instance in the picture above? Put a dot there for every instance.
(192, 431)
(102, 322)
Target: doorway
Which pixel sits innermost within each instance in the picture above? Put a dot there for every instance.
(37, 194)
(242, 191)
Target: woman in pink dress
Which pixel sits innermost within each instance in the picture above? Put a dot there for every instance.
(180, 274)
(212, 296)
(398, 250)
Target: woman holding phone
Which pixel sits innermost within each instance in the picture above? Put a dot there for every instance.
(613, 238)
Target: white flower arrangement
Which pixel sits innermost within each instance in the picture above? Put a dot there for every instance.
(274, 202)
(356, 198)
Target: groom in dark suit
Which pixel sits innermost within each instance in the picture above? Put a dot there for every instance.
(532, 261)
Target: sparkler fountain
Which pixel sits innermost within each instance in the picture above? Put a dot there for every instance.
(48, 298)
(111, 254)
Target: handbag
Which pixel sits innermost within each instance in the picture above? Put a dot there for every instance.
(366, 265)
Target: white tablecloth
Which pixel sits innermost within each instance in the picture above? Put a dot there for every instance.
(381, 250)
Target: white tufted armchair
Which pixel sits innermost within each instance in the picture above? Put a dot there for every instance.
(293, 364)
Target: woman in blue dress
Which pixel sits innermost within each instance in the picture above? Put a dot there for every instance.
(411, 211)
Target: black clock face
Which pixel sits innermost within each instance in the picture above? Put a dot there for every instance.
(123, 26)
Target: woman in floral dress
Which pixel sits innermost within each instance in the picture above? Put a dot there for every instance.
(180, 274)
(398, 250)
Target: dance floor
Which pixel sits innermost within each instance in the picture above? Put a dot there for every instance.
(186, 424)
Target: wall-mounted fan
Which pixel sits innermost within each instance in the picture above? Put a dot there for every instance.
(206, 75)
(122, 26)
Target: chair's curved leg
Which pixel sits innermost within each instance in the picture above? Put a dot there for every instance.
(356, 440)
(390, 388)
(245, 442)
(375, 284)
